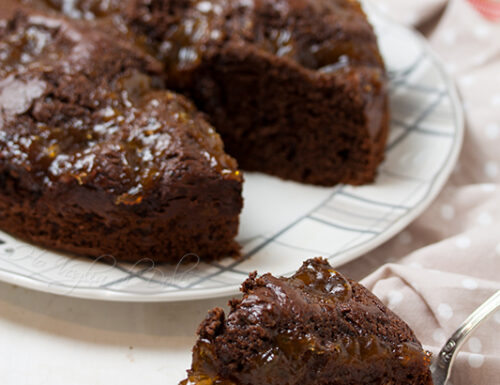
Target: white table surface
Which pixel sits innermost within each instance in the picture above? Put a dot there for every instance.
(53, 340)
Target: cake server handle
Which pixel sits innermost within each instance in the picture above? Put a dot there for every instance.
(441, 365)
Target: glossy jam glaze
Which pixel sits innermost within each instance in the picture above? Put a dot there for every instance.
(185, 34)
(203, 369)
(186, 40)
(323, 282)
(182, 35)
(293, 350)
(124, 120)
(203, 25)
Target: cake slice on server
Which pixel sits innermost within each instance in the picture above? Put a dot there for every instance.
(96, 160)
(314, 328)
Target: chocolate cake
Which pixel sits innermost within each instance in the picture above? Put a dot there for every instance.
(296, 88)
(97, 159)
(314, 328)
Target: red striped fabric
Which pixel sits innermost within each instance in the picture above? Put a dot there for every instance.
(488, 8)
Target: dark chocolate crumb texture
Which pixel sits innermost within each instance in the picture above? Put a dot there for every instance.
(314, 328)
(98, 157)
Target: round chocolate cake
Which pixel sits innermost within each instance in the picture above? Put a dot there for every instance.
(314, 328)
(100, 156)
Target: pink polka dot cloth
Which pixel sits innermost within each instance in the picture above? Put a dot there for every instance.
(444, 265)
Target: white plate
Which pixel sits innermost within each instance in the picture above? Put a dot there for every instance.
(284, 223)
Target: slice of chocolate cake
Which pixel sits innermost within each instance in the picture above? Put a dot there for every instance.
(296, 88)
(315, 328)
(94, 159)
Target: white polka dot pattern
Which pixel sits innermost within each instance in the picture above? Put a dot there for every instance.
(395, 297)
(491, 169)
(475, 345)
(462, 242)
(470, 283)
(488, 187)
(482, 31)
(492, 131)
(447, 212)
(484, 219)
(476, 360)
(445, 311)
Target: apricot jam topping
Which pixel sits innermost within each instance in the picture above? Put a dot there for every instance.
(203, 368)
(22, 48)
(323, 282)
(293, 345)
(72, 120)
(186, 32)
(205, 23)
